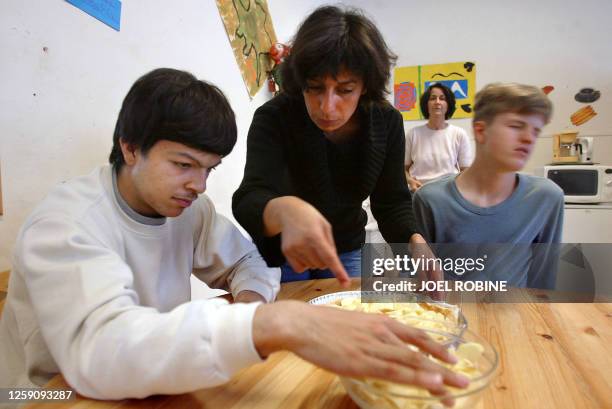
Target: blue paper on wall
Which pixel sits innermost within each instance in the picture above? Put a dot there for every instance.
(107, 11)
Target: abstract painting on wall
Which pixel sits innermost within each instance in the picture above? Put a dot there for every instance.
(251, 34)
(410, 82)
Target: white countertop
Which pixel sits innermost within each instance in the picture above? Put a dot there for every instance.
(600, 206)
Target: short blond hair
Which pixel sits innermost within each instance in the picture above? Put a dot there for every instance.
(499, 98)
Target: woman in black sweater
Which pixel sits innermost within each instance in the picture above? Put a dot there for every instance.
(320, 148)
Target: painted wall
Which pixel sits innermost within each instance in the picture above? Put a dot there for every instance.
(59, 106)
(561, 43)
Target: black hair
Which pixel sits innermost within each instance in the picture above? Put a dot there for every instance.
(448, 95)
(331, 39)
(173, 105)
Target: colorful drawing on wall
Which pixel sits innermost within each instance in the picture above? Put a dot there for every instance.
(583, 115)
(587, 95)
(251, 34)
(107, 11)
(547, 89)
(410, 82)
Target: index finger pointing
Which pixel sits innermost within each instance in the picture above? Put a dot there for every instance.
(329, 255)
(330, 258)
(337, 268)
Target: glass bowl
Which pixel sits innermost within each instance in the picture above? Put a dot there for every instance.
(453, 321)
(378, 394)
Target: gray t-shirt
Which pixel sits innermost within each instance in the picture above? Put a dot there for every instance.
(508, 232)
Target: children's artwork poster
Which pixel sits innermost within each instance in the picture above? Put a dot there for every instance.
(410, 82)
(251, 34)
(107, 11)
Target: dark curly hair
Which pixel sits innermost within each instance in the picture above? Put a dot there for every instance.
(331, 39)
(448, 95)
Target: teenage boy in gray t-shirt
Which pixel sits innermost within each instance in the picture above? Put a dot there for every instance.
(517, 218)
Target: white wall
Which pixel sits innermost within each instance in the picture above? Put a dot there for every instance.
(567, 44)
(66, 128)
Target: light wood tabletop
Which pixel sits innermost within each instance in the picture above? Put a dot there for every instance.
(551, 356)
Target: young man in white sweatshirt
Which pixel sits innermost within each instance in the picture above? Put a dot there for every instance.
(100, 291)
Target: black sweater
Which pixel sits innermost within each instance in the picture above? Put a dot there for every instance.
(288, 155)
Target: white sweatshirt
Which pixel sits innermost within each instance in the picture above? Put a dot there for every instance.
(105, 299)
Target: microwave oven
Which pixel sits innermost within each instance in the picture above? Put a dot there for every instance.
(581, 183)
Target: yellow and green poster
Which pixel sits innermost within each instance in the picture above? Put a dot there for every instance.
(410, 82)
(251, 34)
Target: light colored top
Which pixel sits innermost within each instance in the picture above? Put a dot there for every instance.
(105, 299)
(431, 153)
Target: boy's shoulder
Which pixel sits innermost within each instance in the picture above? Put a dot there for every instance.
(540, 186)
(439, 188)
(443, 191)
(73, 198)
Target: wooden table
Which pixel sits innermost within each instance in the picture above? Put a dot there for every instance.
(551, 356)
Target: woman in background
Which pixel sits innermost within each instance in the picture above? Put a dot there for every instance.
(436, 148)
(320, 148)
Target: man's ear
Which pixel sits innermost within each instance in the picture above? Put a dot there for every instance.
(128, 151)
(480, 128)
